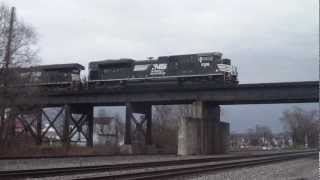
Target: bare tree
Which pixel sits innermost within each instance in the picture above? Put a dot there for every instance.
(302, 125)
(165, 125)
(17, 49)
(23, 51)
(165, 128)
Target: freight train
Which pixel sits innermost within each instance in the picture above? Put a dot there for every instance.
(205, 67)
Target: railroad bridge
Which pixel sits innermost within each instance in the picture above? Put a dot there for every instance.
(203, 133)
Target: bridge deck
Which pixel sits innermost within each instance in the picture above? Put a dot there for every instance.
(262, 93)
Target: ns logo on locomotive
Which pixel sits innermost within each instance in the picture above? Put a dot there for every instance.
(204, 67)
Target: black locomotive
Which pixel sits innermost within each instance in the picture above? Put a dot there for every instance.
(191, 67)
(46, 75)
(204, 67)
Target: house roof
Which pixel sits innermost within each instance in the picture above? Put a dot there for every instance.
(103, 120)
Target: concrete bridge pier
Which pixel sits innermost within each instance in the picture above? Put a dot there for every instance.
(203, 132)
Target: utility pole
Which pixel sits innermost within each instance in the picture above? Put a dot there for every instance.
(5, 71)
(7, 56)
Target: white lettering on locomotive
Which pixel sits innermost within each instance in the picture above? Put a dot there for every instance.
(205, 60)
(159, 69)
(205, 64)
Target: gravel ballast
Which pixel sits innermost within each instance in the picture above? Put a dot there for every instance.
(299, 169)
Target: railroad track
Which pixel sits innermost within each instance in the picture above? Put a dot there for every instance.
(197, 169)
(177, 167)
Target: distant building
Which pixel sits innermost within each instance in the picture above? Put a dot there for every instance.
(240, 141)
(106, 131)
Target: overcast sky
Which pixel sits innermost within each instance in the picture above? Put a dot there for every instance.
(269, 40)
